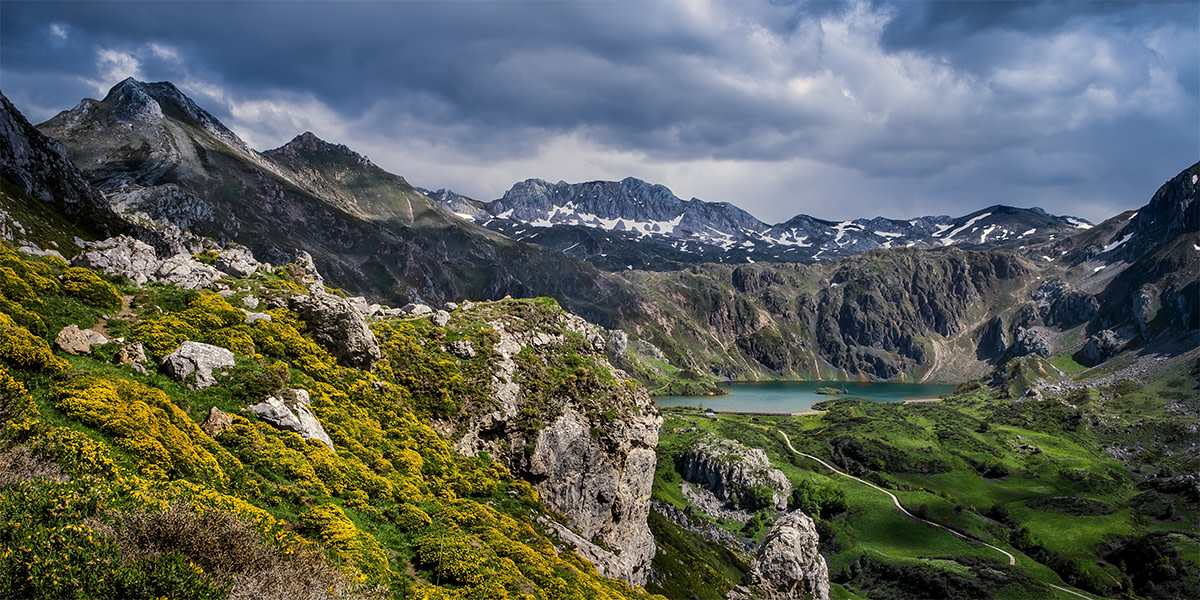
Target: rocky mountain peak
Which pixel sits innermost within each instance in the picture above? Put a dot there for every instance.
(132, 100)
(149, 103)
(308, 145)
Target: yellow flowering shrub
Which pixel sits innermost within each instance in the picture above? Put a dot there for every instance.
(237, 339)
(38, 272)
(452, 554)
(410, 518)
(266, 449)
(87, 286)
(22, 349)
(207, 315)
(163, 335)
(14, 287)
(356, 547)
(144, 422)
(15, 401)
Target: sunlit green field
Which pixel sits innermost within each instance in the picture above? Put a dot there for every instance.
(1029, 477)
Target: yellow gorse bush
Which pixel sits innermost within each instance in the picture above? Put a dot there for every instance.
(130, 446)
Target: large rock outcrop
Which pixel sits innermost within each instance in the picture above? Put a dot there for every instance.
(1062, 305)
(787, 564)
(603, 490)
(138, 261)
(593, 458)
(739, 476)
(336, 325)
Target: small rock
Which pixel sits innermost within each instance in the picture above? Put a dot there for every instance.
(276, 411)
(130, 354)
(216, 422)
(416, 310)
(250, 302)
(360, 304)
(238, 262)
(305, 261)
(198, 358)
(73, 340)
(462, 349)
(451, 306)
(252, 317)
(468, 305)
(34, 250)
(441, 318)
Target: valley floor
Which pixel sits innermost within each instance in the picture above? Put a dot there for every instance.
(977, 495)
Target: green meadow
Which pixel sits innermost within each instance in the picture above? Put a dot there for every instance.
(1030, 476)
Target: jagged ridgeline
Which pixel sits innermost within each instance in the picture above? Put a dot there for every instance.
(214, 479)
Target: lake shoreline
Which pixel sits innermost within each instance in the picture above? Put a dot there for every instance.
(798, 398)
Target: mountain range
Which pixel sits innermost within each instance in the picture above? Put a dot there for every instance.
(632, 224)
(705, 287)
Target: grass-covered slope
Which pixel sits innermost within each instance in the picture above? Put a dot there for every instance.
(110, 489)
(1031, 477)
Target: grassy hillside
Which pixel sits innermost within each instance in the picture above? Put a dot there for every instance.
(110, 489)
(1030, 477)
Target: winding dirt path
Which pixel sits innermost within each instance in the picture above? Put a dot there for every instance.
(1012, 560)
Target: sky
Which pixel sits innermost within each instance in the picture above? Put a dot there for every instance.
(836, 109)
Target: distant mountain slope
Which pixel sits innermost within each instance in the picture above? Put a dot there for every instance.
(162, 159)
(45, 198)
(937, 298)
(634, 224)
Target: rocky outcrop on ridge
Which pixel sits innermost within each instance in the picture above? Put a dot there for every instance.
(1062, 305)
(138, 261)
(736, 474)
(787, 564)
(1100, 347)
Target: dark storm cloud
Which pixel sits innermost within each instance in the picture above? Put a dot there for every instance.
(923, 100)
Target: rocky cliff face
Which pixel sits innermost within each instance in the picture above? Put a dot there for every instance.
(787, 564)
(587, 447)
(739, 476)
(38, 166)
(869, 316)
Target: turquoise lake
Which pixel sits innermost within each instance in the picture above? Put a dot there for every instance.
(794, 396)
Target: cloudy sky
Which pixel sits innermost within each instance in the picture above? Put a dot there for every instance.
(837, 109)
